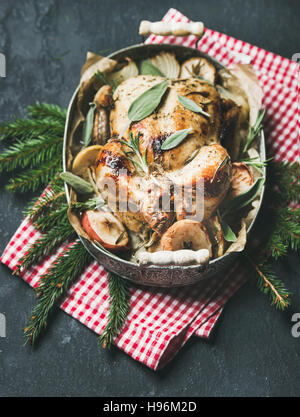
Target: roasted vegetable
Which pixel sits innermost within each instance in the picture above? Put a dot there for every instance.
(199, 67)
(186, 234)
(103, 227)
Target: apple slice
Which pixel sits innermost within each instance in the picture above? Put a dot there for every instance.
(85, 160)
(186, 234)
(103, 227)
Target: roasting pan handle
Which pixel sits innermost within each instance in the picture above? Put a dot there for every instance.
(171, 28)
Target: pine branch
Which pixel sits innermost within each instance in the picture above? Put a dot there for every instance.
(286, 232)
(32, 179)
(270, 285)
(55, 283)
(52, 198)
(49, 112)
(284, 229)
(30, 153)
(29, 128)
(47, 244)
(284, 182)
(118, 309)
(46, 223)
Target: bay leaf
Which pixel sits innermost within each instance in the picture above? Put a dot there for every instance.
(191, 105)
(77, 183)
(147, 102)
(175, 139)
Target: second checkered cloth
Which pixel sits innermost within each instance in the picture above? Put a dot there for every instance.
(162, 320)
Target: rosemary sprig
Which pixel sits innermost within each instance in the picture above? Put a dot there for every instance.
(254, 130)
(256, 163)
(55, 283)
(118, 309)
(133, 143)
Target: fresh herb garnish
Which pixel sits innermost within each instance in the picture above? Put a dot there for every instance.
(254, 130)
(256, 163)
(228, 233)
(243, 199)
(147, 68)
(147, 102)
(221, 165)
(205, 80)
(191, 105)
(175, 139)
(133, 143)
(91, 204)
(88, 125)
(79, 184)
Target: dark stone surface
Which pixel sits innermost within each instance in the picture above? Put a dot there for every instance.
(252, 352)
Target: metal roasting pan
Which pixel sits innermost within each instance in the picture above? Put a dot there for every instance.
(153, 275)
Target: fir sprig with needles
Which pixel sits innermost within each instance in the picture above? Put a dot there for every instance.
(54, 284)
(281, 225)
(35, 147)
(118, 309)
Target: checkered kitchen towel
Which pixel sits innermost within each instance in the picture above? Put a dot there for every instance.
(162, 320)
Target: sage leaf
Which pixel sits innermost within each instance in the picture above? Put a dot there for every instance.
(88, 125)
(191, 105)
(205, 80)
(79, 184)
(228, 233)
(175, 139)
(243, 199)
(147, 102)
(221, 165)
(147, 68)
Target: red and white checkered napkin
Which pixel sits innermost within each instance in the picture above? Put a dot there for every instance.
(162, 320)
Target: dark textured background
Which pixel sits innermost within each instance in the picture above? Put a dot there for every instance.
(252, 352)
